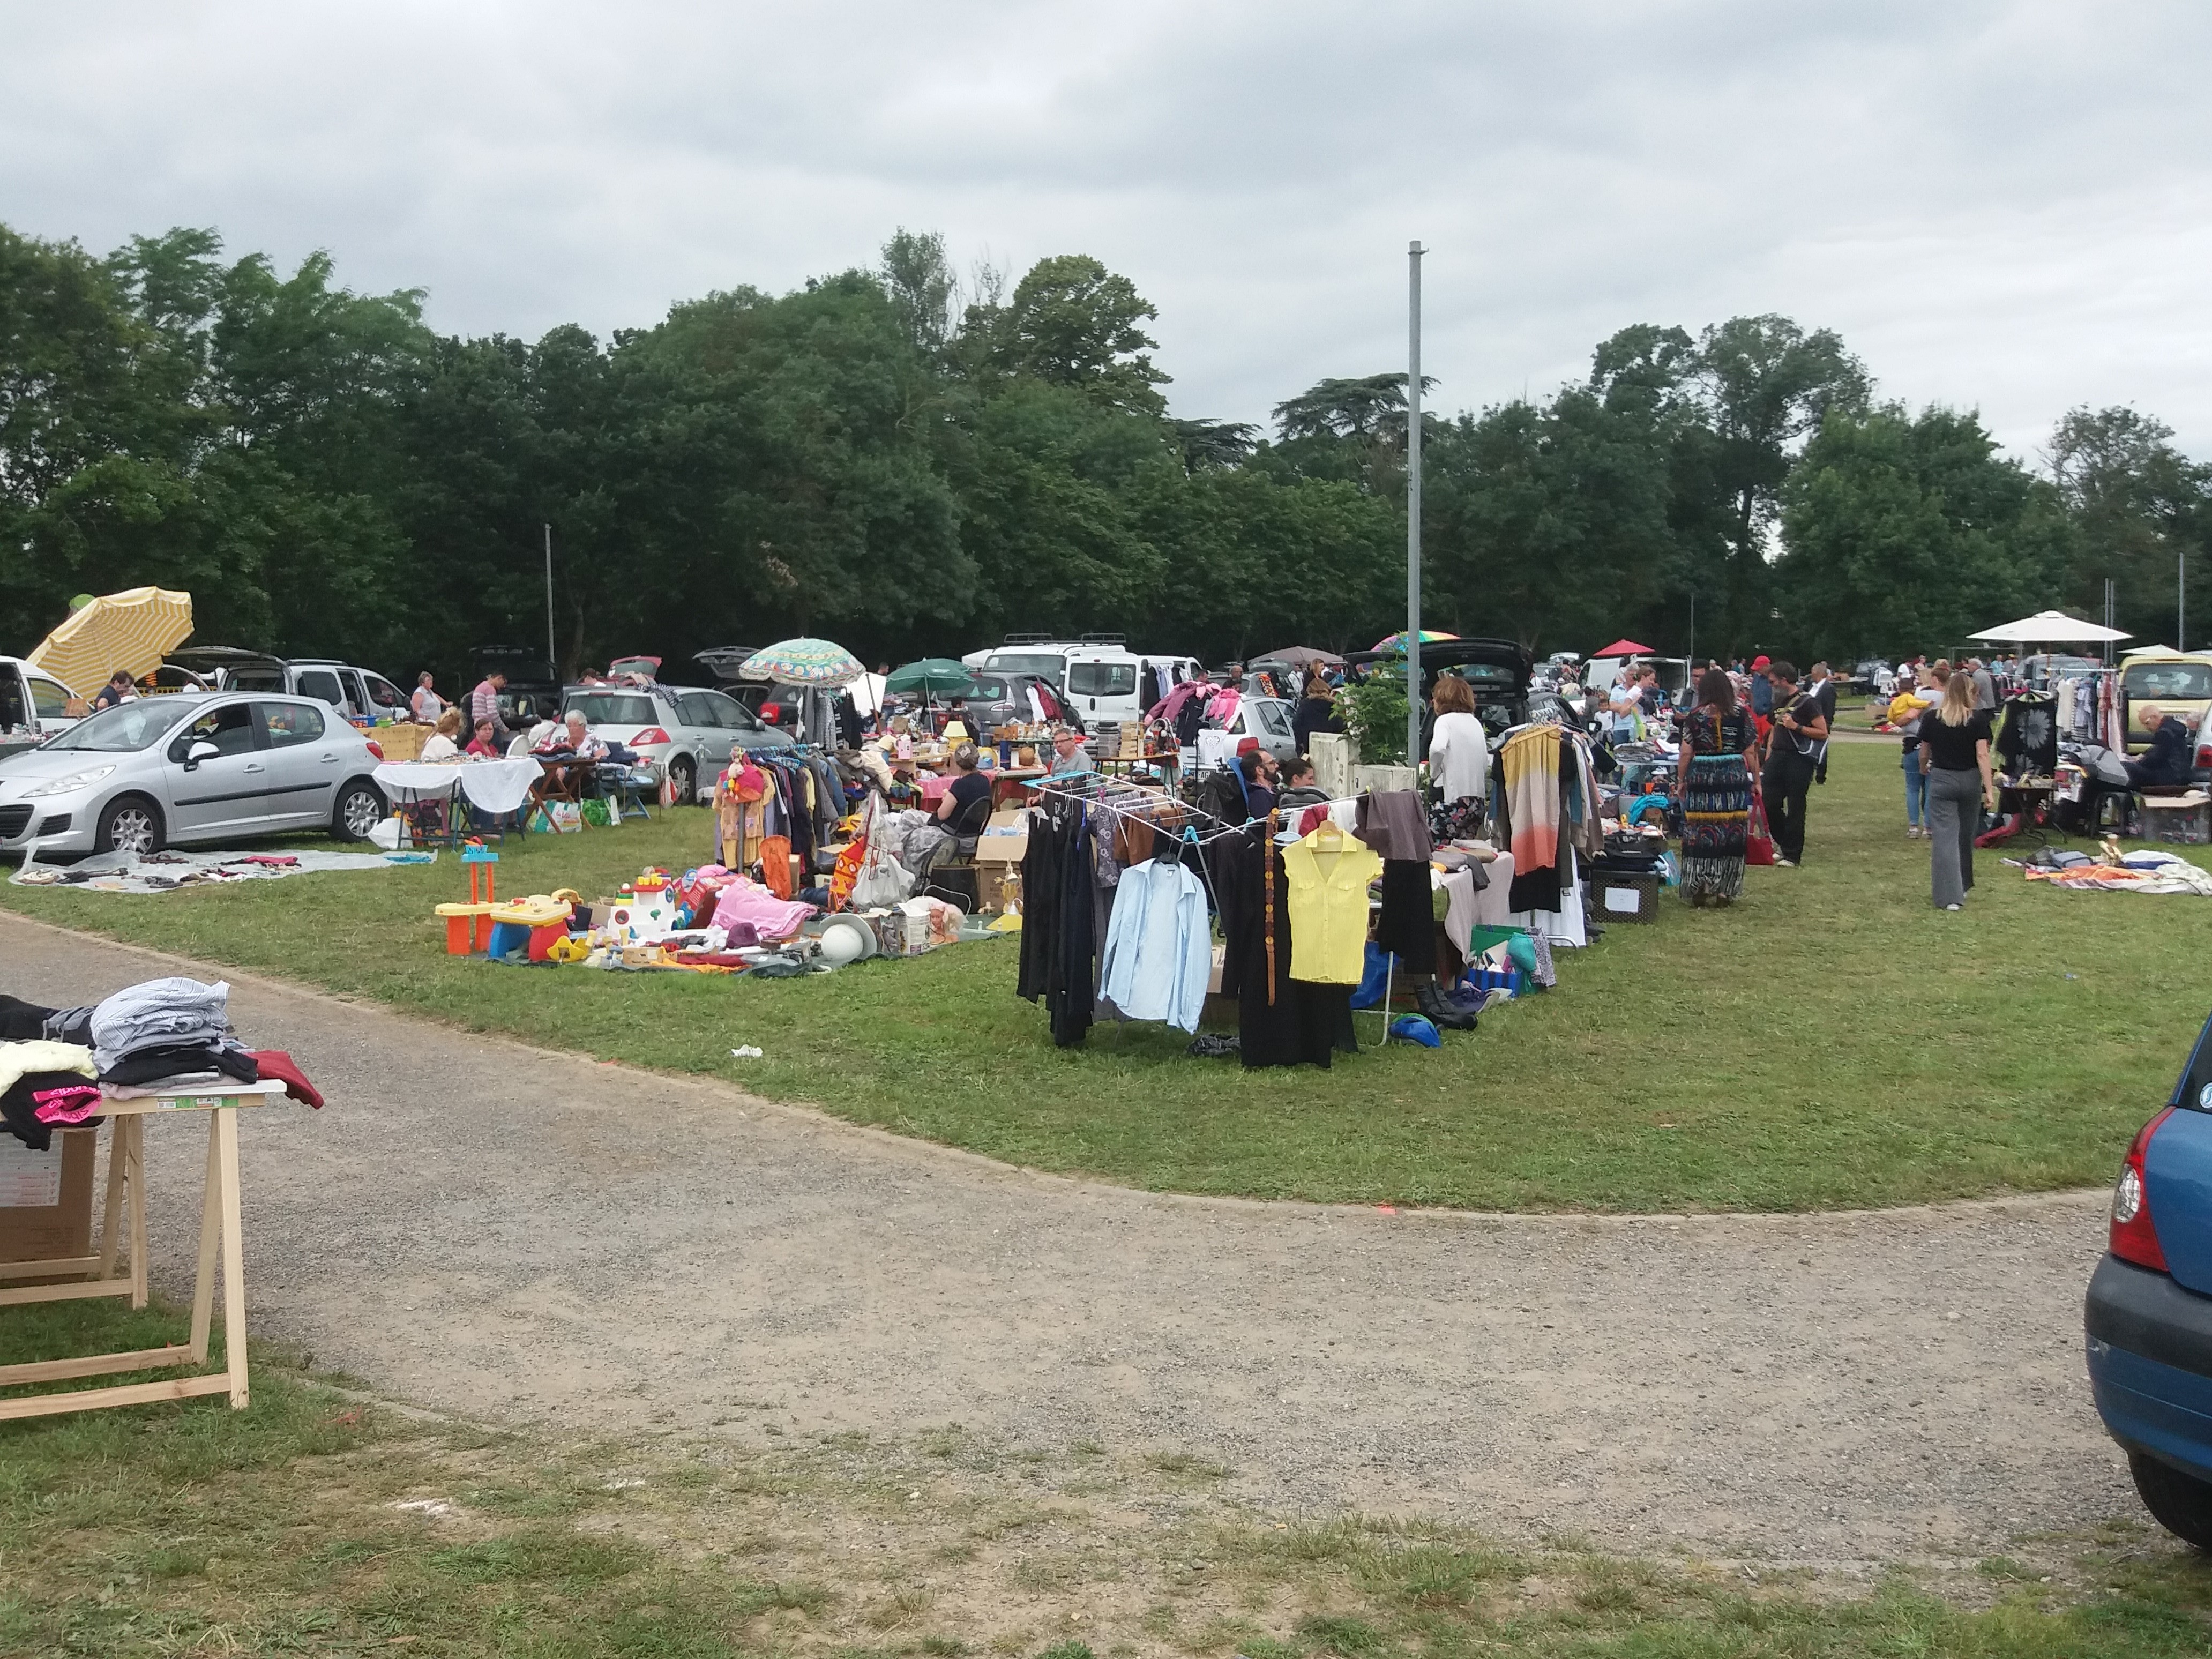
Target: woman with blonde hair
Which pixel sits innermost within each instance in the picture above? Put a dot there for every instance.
(444, 744)
(1955, 757)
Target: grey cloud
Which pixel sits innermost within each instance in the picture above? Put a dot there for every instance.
(1999, 203)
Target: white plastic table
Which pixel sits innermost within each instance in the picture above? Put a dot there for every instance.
(120, 1268)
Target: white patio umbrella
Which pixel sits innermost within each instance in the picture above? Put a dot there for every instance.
(2052, 628)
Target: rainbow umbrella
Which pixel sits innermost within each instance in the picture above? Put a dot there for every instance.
(803, 662)
(1397, 641)
(132, 631)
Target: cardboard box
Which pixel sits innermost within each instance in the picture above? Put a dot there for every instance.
(401, 741)
(1005, 838)
(45, 1198)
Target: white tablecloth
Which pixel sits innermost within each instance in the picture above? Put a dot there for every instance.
(492, 785)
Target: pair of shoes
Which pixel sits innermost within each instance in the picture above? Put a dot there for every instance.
(1784, 864)
(1441, 1010)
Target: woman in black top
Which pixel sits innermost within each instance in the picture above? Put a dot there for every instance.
(1955, 756)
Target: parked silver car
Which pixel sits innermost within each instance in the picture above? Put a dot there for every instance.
(196, 767)
(685, 733)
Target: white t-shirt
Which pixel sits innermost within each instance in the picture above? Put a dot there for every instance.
(1459, 757)
(439, 747)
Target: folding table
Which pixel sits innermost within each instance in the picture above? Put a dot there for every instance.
(120, 1268)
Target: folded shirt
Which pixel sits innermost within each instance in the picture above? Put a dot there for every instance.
(159, 1065)
(19, 1106)
(157, 1013)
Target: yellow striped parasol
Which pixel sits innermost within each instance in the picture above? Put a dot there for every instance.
(132, 630)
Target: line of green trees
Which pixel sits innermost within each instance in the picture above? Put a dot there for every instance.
(909, 463)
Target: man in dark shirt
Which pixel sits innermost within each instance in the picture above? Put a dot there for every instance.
(1800, 729)
(2167, 760)
(1820, 686)
(120, 687)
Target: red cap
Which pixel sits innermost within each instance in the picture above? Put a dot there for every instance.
(1760, 662)
(1246, 745)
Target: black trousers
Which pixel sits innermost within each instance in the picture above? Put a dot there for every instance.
(1787, 776)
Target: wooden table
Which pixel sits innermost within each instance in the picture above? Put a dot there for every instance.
(124, 1224)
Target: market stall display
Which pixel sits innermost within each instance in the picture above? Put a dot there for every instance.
(159, 1048)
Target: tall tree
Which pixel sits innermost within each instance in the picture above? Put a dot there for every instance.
(2141, 509)
(1909, 532)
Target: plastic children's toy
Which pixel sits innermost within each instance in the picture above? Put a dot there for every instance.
(532, 926)
(646, 910)
(468, 927)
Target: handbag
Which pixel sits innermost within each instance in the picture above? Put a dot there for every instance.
(1757, 840)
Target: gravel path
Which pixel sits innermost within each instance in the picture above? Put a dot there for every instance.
(500, 1230)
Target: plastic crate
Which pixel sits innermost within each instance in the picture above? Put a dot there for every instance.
(2175, 823)
(1616, 897)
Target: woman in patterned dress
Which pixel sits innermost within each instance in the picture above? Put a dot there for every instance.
(1715, 784)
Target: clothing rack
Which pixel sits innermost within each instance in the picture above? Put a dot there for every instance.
(1164, 813)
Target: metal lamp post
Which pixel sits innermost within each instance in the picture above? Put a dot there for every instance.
(1413, 252)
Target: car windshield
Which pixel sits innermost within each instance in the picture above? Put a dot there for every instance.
(2152, 680)
(124, 729)
(613, 708)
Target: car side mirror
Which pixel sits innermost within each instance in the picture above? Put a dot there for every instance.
(201, 750)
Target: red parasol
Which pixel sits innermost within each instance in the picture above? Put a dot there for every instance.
(1624, 648)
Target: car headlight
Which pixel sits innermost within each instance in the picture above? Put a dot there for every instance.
(83, 780)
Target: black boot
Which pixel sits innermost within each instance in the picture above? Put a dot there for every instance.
(1444, 1013)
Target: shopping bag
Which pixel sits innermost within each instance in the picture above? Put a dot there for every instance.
(600, 812)
(1758, 841)
(556, 817)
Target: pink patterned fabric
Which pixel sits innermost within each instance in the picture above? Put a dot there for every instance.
(72, 1104)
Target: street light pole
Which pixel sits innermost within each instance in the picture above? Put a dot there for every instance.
(552, 656)
(1413, 252)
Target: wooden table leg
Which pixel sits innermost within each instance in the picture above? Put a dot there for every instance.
(210, 1226)
(111, 1224)
(233, 1256)
(134, 1181)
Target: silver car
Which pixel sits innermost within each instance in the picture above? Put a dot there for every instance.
(196, 767)
(684, 732)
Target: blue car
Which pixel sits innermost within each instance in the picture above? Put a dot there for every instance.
(2149, 1312)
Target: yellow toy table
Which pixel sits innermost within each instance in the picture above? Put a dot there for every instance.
(220, 1225)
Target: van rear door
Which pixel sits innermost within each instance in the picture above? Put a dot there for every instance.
(1104, 688)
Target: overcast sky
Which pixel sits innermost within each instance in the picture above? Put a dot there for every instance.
(2005, 204)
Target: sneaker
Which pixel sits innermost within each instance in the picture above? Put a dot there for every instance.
(1954, 907)
(1785, 863)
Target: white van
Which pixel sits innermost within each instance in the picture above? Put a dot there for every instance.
(1097, 676)
(33, 704)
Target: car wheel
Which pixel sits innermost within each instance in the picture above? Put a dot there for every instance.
(2181, 1502)
(129, 823)
(686, 776)
(359, 809)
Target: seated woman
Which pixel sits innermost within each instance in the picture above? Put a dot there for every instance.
(444, 743)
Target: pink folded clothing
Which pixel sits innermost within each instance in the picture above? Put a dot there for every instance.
(70, 1105)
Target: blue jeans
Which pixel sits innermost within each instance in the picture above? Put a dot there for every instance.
(1916, 789)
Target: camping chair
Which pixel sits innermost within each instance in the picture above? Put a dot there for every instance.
(952, 876)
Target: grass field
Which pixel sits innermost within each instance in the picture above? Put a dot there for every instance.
(1832, 1040)
(316, 1523)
